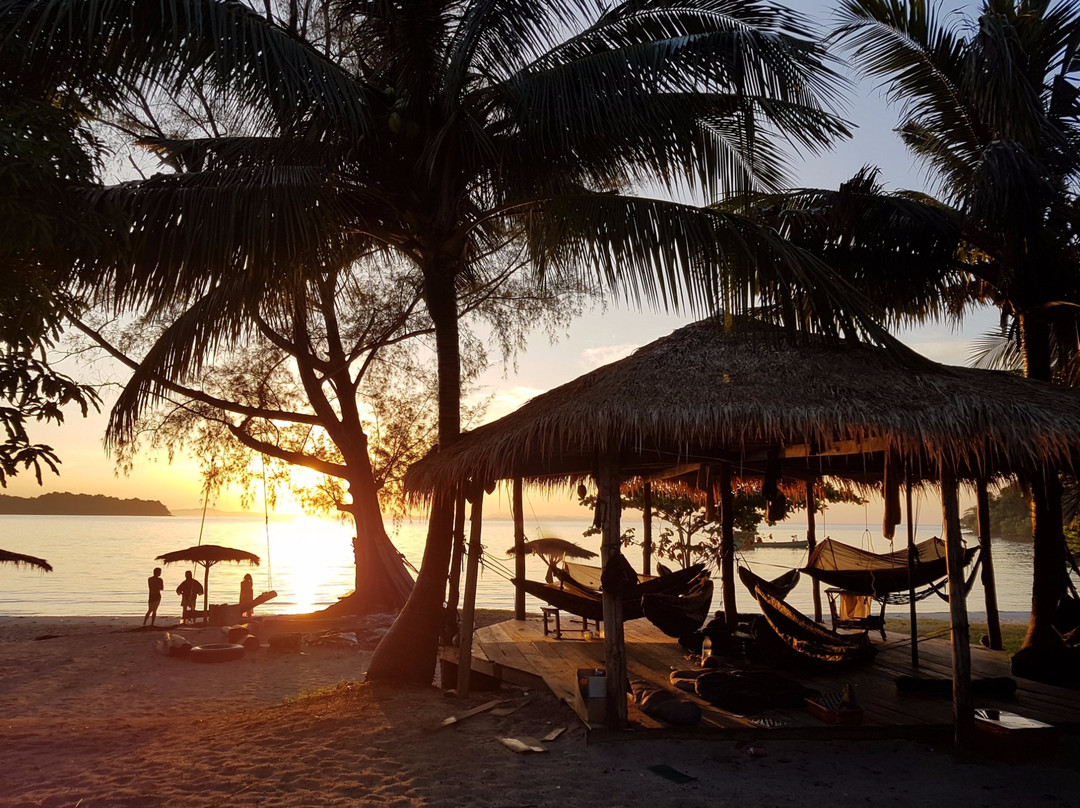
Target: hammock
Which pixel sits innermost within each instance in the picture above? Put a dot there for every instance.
(866, 573)
(678, 615)
(779, 588)
(936, 588)
(575, 597)
(808, 639)
(587, 577)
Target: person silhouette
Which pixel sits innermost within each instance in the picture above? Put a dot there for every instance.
(156, 586)
(189, 591)
(247, 595)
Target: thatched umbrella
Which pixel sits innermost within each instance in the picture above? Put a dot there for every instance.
(552, 551)
(20, 560)
(755, 398)
(206, 556)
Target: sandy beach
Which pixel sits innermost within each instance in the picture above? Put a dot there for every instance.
(94, 716)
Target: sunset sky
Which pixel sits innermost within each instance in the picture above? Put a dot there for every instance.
(596, 338)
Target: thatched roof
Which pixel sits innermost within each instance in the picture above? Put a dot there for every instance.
(20, 560)
(209, 554)
(704, 394)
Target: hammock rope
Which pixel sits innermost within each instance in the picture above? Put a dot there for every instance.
(266, 524)
(937, 588)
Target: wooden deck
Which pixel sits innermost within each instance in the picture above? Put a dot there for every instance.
(518, 652)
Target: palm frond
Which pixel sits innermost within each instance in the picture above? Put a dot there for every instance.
(625, 81)
(186, 232)
(219, 318)
(672, 256)
(107, 45)
(998, 351)
(902, 251)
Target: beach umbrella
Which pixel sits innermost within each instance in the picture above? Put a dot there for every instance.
(552, 551)
(206, 556)
(20, 560)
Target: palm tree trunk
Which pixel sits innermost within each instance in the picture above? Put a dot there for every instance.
(1044, 655)
(407, 653)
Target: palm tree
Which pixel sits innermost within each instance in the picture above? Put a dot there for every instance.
(443, 131)
(989, 107)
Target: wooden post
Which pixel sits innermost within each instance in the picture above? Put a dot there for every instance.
(519, 547)
(993, 619)
(727, 547)
(646, 529)
(811, 539)
(912, 615)
(963, 701)
(607, 492)
(206, 592)
(453, 596)
(472, 568)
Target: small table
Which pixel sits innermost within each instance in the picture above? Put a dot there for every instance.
(551, 613)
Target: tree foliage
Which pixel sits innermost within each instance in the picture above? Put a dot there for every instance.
(46, 155)
(1010, 513)
(689, 534)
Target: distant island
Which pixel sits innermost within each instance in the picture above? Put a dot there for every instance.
(65, 504)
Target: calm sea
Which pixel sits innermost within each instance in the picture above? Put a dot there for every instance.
(101, 563)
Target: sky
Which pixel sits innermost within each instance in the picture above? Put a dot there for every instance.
(598, 337)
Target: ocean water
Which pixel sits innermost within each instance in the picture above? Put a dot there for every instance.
(101, 563)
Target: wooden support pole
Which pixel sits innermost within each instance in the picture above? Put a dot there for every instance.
(468, 612)
(727, 547)
(963, 701)
(913, 623)
(646, 529)
(519, 548)
(710, 512)
(457, 555)
(607, 486)
(811, 539)
(993, 619)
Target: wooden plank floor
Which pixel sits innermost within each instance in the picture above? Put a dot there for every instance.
(519, 651)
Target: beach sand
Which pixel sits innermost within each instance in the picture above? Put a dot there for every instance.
(95, 717)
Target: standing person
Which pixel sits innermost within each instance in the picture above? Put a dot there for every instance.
(247, 595)
(156, 586)
(189, 591)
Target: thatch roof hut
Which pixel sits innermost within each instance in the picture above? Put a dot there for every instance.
(707, 394)
(20, 560)
(750, 400)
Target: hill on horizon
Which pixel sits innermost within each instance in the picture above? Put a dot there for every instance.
(68, 504)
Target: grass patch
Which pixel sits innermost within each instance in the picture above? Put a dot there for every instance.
(1012, 634)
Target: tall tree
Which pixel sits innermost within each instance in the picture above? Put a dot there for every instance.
(335, 382)
(442, 130)
(989, 104)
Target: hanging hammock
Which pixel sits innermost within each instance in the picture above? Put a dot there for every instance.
(866, 573)
(936, 588)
